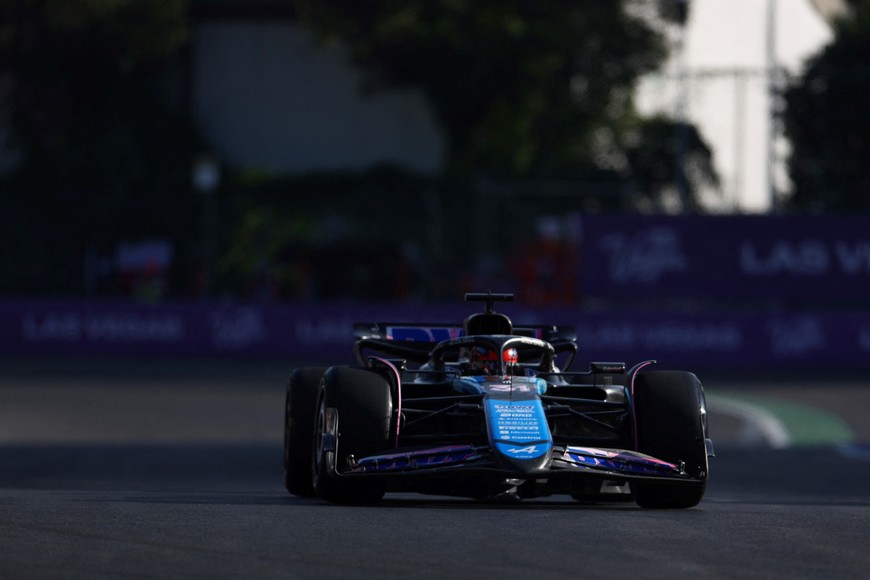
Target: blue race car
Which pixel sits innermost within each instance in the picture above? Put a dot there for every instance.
(491, 411)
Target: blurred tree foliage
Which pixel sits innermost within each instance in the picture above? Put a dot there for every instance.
(827, 123)
(302, 236)
(104, 155)
(525, 91)
(522, 89)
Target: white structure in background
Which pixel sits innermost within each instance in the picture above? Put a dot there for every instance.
(725, 66)
(270, 97)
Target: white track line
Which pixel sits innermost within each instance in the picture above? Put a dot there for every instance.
(759, 426)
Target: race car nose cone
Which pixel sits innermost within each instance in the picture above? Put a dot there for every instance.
(519, 433)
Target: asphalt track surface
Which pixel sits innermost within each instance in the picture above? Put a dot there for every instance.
(163, 469)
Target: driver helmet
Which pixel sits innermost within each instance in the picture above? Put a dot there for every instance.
(510, 358)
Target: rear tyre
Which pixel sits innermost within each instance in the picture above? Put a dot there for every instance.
(299, 411)
(671, 426)
(363, 410)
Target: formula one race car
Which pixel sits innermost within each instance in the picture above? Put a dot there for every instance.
(483, 410)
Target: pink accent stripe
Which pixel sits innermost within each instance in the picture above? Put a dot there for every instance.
(636, 370)
(398, 377)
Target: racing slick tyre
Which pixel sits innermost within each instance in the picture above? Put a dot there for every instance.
(352, 419)
(671, 427)
(299, 410)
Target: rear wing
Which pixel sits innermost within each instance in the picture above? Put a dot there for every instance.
(435, 333)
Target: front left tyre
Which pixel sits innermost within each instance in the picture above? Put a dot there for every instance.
(352, 420)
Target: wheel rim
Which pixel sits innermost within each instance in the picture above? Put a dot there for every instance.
(317, 455)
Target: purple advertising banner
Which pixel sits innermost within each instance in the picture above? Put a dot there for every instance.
(323, 333)
(804, 258)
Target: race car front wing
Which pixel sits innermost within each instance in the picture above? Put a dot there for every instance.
(450, 459)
